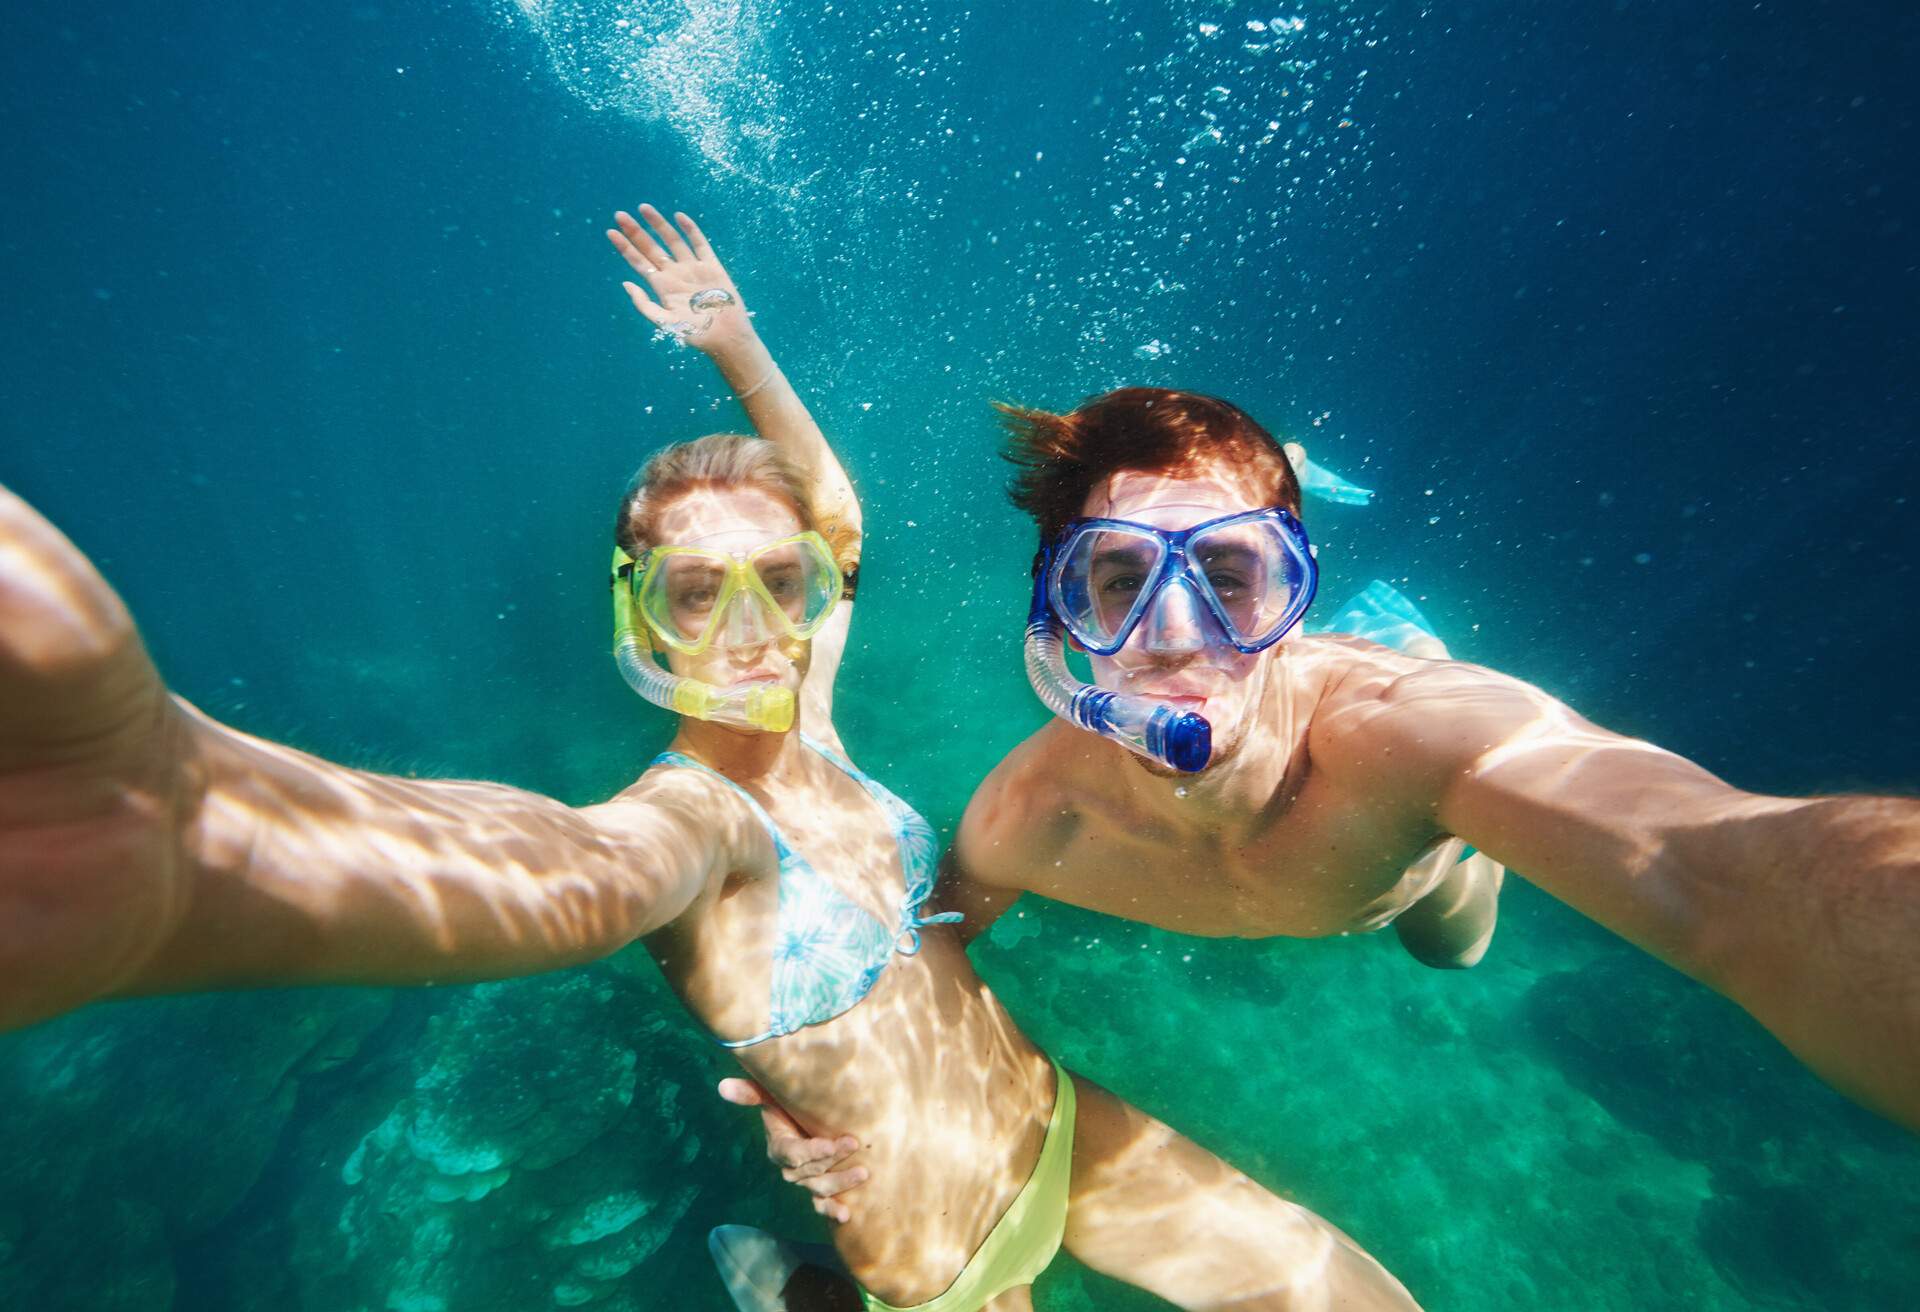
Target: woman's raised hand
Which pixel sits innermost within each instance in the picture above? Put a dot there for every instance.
(679, 266)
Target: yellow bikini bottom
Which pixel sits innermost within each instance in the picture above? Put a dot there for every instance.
(1024, 1240)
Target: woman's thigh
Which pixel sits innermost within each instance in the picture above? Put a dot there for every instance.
(1151, 1207)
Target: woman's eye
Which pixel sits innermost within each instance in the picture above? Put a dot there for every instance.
(699, 599)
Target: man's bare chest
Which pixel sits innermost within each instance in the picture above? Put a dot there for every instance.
(1321, 865)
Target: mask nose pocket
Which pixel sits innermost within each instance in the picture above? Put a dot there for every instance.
(747, 623)
(1173, 620)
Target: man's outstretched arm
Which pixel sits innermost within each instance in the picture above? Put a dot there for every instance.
(1805, 912)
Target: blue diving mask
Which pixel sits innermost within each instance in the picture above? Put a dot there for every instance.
(1243, 581)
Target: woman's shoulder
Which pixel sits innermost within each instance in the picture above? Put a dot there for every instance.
(682, 803)
(673, 779)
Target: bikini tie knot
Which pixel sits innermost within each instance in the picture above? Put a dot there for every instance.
(912, 932)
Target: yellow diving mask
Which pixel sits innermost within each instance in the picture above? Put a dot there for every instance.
(693, 598)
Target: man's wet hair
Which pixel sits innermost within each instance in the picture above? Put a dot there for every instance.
(1059, 459)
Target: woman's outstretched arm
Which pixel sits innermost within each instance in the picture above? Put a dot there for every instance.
(146, 848)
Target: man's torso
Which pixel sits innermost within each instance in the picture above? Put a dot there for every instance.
(1330, 847)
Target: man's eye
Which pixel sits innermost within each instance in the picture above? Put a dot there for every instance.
(1120, 584)
(696, 599)
(1225, 581)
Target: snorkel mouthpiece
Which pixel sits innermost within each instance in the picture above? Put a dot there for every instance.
(1181, 740)
(746, 706)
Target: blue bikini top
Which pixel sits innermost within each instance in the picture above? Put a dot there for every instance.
(829, 950)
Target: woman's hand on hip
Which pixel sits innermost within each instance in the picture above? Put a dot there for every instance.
(805, 1160)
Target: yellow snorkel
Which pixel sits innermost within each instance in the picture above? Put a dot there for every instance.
(751, 706)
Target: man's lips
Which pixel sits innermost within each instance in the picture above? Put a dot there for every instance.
(1180, 701)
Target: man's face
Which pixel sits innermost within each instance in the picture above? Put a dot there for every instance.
(1173, 655)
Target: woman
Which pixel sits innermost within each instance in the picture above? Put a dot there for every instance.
(781, 890)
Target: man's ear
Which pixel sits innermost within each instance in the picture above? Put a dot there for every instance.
(1075, 643)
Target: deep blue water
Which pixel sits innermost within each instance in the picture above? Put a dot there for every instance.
(312, 343)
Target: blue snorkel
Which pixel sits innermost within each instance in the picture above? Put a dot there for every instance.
(1181, 740)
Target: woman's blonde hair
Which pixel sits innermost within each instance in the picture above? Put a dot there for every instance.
(719, 460)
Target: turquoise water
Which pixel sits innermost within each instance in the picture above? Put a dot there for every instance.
(313, 344)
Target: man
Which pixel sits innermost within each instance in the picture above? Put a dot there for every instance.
(1335, 761)
(1341, 769)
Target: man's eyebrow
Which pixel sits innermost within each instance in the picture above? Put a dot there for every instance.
(1220, 550)
(1120, 555)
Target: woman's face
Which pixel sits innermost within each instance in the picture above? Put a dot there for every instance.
(732, 519)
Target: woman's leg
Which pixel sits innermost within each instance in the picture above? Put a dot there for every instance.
(1152, 1208)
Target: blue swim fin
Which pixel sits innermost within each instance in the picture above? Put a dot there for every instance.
(1381, 613)
(1329, 486)
(756, 1265)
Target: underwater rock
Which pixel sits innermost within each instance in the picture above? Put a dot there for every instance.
(113, 1257)
(1014, 928)
(501, 1092)
(1775, 1241)
(1662, 1054)
(133, 1127)
(529, 1144)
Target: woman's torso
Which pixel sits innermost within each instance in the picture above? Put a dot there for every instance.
(948, 1099)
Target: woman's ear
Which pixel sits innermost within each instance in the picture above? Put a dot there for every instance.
(1075, 643)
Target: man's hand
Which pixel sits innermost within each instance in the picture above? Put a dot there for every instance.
(679, 266)
(807, 1162)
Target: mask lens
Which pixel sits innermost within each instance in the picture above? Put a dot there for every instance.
(800, 579)
(678, 595)
(1101, 581)
(1256, 574)
(693, 597)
